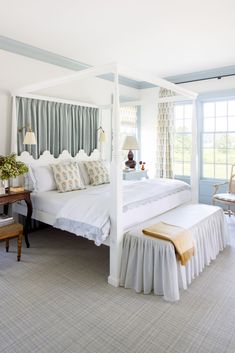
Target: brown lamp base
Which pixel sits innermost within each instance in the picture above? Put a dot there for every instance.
(130, 163)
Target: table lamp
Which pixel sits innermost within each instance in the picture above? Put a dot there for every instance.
(130, 143)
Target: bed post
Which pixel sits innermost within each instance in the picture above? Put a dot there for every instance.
(116, 191)
(194, 162)
(13, 126)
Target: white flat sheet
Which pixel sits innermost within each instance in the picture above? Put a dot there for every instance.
(142, 200)
(150, 264)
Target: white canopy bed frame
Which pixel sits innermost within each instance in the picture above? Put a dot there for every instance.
(116, 235)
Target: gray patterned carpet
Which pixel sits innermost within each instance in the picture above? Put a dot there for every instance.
(56, 300)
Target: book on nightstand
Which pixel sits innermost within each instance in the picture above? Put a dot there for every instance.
(5, 220)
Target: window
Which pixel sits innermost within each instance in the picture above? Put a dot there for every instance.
(218, 138)
(129, 126)
(182, 139)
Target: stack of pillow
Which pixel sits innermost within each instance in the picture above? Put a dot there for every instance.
(67, 176)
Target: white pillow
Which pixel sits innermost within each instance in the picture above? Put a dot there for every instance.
(29, 180)
(83, 172)
(43, 178)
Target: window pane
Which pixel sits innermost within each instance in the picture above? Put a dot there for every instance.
(187, 169)
(231, 140)
(208, 140)
(221, 108)
(178, 168)
(187, 154)
(178, 154)
(179, 125)
(231, 156)
(220, 141)
(187, 140)
(188, 125)
(188, 111)
(231, 107)
(179, 111)
(220, 171)
(182, 138)
(221, 124)
(209, 124)
(231, 123)
(208, 170)
(229, 171)
(208, 155)
(220, 156)
(178, 140)
(209, 109)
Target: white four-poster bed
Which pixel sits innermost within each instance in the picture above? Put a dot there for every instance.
(116, 185)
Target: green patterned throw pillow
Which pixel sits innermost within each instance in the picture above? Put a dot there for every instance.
(67, 177)
(98, 172)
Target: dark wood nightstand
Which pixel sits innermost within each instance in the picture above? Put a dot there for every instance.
(11, 197)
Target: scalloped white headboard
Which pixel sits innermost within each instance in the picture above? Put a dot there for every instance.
(48, 158)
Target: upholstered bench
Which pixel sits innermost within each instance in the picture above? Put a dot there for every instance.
(11, 231)
(150, 265)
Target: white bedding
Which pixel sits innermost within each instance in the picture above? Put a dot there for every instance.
(86, 212)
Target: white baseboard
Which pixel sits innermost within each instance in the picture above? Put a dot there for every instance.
(113, 281)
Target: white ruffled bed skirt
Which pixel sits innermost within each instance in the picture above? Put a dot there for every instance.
(150, 264)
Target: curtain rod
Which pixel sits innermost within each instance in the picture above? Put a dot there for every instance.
(59, 100)
(219, 77)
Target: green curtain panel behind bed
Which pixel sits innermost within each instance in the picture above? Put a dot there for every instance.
(57, 126)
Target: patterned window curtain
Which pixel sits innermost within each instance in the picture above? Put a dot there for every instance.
(165, 131)
(57, 126)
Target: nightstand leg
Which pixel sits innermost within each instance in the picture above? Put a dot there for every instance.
(5, 208)
(28, 220)
(19, 243)
(7, 245)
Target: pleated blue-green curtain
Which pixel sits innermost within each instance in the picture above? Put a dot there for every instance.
(57, 126)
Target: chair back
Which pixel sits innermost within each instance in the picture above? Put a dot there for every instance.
(231, 187)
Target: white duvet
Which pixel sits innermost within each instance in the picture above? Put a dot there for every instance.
(88, 214)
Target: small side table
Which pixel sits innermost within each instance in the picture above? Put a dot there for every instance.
(11, 231)
(11, 197)
(135, 175)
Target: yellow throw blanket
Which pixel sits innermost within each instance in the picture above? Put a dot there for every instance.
(181, 239)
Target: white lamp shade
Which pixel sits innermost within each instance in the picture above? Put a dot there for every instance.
(130, 143)
(30, 138)
(102, 137)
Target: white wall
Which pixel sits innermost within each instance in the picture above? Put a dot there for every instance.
(5, 124)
